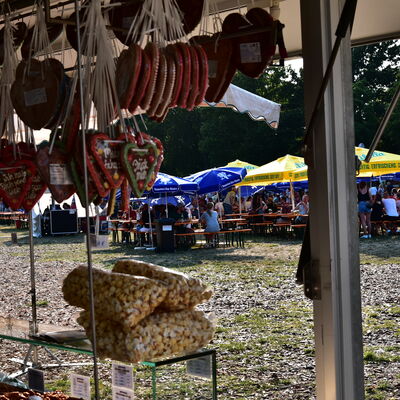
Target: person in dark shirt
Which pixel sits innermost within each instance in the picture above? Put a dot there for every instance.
(377, 209)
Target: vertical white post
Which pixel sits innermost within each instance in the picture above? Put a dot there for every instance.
(333, 218)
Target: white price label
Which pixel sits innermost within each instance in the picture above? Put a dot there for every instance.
(59, 174)
(250, 52)
(200, 367)
(35, 96)
(167, 228)
(122, 394)
(80, 386)
(122, 375)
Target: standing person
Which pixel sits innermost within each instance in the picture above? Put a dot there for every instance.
(364, 209)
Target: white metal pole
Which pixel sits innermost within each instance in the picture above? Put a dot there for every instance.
(240, 200)
(334, 265)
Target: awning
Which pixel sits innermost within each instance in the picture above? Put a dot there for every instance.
(257, 107)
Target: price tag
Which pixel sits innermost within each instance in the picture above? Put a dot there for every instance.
(36, 379)
(250, 52)
(80, 386)
(59, 174)
(35, 96)
(122, 376)
(167, 228)
(122, 394)
(200, 367)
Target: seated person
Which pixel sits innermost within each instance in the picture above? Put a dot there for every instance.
(389, 204)
(182, 212)
(377, 209)
(257, 205)
(302, 207)
(210, 221)
(230, 201)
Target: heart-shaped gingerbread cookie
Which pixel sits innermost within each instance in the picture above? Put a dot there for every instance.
(139, 162)
(54, 170)
(15, 181)
(34, 93)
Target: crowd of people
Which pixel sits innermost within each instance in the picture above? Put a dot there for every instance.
(378, 203)
(211, 207)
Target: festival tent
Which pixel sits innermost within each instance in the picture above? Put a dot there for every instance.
(217, 179)
(291, 168)
(172, 185)
(279, 170)
(381, 163)
(242, 101)
(241, 164)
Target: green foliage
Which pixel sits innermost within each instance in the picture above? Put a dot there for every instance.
(211, 137)
(375, 74)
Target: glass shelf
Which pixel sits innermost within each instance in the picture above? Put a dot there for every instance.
(55, 337)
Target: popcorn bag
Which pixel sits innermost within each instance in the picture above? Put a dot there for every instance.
(183, 293)
(118, 297)
(158, 335)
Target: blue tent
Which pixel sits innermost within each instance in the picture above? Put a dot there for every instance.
(217, 179)
(171, 184)
(174, 200)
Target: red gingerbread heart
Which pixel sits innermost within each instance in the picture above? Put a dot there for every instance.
(107, 153)
(35, 192)
(54, 170)
(35, 91)
(15, 181)
(139, 161)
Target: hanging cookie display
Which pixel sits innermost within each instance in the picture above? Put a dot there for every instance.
(15, 181)
(252, 52)
(107, 153)
(54, 170)
(140, 161)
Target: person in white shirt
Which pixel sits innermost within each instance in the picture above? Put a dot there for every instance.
(389, 203)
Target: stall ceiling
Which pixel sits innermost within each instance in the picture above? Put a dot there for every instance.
(376, 20)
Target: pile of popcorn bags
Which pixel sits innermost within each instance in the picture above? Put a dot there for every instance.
(143, 311)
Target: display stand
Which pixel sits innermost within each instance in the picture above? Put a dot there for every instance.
(202, 353)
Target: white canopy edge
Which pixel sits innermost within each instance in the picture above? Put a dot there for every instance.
(257, 107)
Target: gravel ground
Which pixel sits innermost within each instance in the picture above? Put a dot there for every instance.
(281, 370)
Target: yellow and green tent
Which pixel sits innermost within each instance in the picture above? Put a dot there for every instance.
(292, 168)
(381, 163)
(279, 170)
(241, 164)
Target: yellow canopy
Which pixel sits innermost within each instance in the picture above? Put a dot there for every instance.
(280, 170)
(381, 163)
(292, 168)
(241, 164)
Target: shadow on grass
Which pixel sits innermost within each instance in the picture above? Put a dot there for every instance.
(380, 249)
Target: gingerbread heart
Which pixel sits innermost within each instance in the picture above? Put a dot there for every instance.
(107, 153)
(252, 52)
(34, 93)
(139, 163)
(54, 170)
(97, 181)
(35, 192)
(15, 181)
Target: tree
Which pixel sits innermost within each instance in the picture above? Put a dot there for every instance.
(375, 73)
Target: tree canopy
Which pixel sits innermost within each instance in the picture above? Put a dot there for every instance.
(212, 137)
